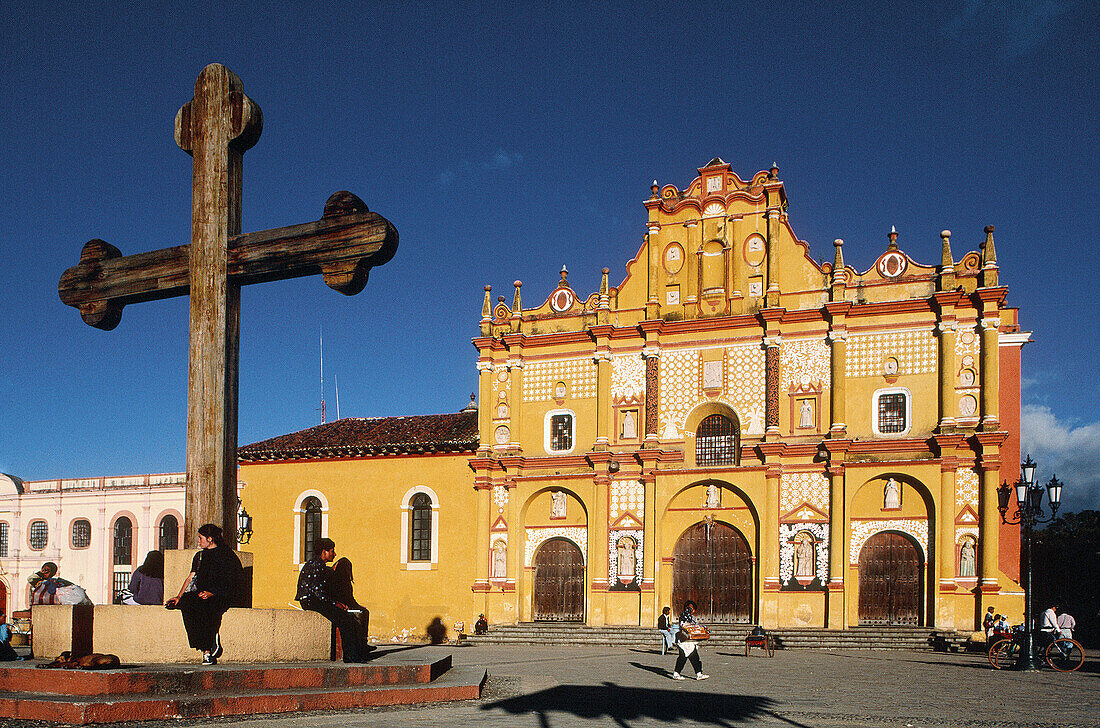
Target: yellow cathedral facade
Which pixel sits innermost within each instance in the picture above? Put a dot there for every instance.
(784, 442)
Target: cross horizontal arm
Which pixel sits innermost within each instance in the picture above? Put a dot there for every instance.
(342, 246)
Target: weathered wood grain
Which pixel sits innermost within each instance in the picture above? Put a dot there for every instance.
(216, 127)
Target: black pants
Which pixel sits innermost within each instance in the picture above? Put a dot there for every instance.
(682, 659)
(202, 618)
(352, 639)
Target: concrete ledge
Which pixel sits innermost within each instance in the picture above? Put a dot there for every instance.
(142, 634)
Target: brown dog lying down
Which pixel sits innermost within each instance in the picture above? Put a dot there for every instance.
(94, 661)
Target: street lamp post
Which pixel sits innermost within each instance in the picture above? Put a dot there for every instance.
(1029, 513)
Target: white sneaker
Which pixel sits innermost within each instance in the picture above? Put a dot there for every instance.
(678, 676)
(702, 676)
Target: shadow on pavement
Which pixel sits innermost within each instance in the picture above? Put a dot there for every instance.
(624, 705)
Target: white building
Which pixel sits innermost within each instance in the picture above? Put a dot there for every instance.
(97, 530)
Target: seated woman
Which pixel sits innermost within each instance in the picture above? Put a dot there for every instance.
(147, 582)
(208, 592)
(342, 590)
(48, 588)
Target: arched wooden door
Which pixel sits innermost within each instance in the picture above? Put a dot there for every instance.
(559, 582)
(890, 567)
(712, 567)
(4, 600)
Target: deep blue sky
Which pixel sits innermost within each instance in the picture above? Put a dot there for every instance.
(504, 144)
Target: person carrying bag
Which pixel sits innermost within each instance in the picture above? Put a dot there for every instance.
(686, 643)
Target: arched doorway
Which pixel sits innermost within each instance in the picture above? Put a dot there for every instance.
(559, 582)
(890, 567)
(3, 598)
(712, 566)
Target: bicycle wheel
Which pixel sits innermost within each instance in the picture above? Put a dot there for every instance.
(1065, 655)
(995, 648)
(1008, 652)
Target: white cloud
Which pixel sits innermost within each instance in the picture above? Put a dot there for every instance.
(503, 160)
(1070, 450)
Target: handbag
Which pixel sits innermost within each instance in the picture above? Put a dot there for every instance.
(695, 632)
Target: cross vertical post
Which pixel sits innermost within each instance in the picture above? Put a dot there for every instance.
(216, 127)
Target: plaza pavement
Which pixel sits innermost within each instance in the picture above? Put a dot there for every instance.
(566, 687)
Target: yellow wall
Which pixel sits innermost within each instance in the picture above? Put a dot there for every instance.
(364, 516)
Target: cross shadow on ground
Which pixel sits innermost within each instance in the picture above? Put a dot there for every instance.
(625, 705)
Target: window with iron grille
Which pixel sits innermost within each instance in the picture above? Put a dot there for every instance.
(891, 413)
(3, 539)
(168, 536)
(420, 531)
(82, 534)
(120, 581)
(716, 441)
(311, 526)
(123, 541)
(561, 432)
(38, 534)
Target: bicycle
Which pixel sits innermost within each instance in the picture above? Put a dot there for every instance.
(1063, 654)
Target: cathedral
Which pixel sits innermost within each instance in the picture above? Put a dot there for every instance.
(784, 442)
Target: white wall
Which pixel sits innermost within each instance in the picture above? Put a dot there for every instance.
(144, 498)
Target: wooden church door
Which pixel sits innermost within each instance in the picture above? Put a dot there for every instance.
(712, 567)
(890, 569)
(559, 582)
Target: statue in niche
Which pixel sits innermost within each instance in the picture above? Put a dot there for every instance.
(892, 494)
(805, 563)
(806, 414)
(500, 560)
(968, 557)
(714, 497)
(557, 507)
(626, 560)
(630, 427)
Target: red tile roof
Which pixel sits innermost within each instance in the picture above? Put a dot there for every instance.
(367, 436)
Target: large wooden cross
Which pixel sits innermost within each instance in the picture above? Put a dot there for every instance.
(216, 127)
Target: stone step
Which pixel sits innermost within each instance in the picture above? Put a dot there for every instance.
(463, 683)
(396, 675)
(906, 638)
(174, 679)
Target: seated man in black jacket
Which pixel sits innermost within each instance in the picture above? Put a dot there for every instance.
(315, 594)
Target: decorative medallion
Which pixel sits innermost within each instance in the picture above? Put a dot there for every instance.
(674, 258)
(561, 300)
(754, 250)
(968, 405)
(892, 264)
(501, 312)
(502, 435)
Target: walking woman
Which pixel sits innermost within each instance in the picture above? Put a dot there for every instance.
(688, 649)
(207, 592)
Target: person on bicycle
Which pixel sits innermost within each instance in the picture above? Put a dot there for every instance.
(1066, 624)
(1048, 624)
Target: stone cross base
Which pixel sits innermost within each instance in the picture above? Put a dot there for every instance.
(152, 634)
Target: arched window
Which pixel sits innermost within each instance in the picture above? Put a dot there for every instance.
(420, 543)
(82, 533)
(311, 525)
(123, 541)
(38, 535)
(168, 537)
(716, 441)
(891, 414)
